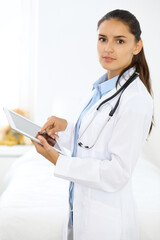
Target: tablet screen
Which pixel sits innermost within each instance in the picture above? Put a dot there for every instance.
(31, 129)
(25, 125)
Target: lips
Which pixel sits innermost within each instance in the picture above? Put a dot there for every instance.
(108, 59)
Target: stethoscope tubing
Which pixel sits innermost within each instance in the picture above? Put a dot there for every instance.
(94, 116)
(121, 90)
(125, 85)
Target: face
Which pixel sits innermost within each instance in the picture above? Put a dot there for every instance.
(116, 46)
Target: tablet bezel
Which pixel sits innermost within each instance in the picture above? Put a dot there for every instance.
(12, 124)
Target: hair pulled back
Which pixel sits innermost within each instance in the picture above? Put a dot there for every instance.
(139, 60)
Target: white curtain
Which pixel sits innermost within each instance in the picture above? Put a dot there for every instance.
(18, 41)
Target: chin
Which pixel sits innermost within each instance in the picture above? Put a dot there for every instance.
(107, 66)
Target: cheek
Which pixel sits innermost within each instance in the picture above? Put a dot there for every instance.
(125, 55)
(100, 48)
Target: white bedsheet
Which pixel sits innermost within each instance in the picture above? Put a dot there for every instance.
(146, 186)
(34, 203)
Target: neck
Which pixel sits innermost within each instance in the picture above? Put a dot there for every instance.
(112, 74)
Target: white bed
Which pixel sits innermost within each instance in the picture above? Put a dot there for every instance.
(34, 203)
(146, 186)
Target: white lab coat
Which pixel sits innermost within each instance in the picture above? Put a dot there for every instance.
(103, 203)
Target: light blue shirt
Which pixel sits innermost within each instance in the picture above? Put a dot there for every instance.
(101, 87)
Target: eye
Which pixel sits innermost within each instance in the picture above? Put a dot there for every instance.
(101, 39)
(120, 41)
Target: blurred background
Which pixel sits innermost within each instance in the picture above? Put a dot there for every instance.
(48, 56)
(48, 63)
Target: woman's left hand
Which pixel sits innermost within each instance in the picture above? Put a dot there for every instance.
(46, 150)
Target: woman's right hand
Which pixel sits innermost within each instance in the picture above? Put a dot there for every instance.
(53, 125)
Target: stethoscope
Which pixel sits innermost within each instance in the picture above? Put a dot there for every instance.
(111, 113)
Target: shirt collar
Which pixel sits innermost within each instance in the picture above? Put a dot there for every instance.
(103, 85)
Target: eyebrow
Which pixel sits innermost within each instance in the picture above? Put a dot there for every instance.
(119, 36)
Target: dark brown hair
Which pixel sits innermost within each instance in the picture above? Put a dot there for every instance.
(139, 60)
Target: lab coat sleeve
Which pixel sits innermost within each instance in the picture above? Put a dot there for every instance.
(66, 137)
(130, 131)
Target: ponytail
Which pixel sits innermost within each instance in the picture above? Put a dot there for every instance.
(141, 66)
(138, 61)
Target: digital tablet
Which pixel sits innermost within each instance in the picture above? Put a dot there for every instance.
(29, 129)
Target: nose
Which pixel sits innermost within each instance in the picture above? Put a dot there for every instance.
(109, 47)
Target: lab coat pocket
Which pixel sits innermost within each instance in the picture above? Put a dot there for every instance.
(104, 222)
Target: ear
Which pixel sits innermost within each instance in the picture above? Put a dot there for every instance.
(138, 47)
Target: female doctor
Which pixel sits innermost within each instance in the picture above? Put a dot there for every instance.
(107, 138)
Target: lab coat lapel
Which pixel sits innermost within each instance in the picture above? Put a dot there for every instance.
(114, 90)
(87, 118)
(89, 115)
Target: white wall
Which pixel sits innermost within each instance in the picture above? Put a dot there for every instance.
(10, 28)
(18, 55)
(67, 62)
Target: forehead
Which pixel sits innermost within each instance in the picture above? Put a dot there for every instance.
(113, 27)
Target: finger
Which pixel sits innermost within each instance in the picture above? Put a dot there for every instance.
(38, 146)
(55, 136)
(44, 142)
(34, 142)
(47, 125)
(49, 129)
(49, 133)
(52, 134)
(49, 117)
